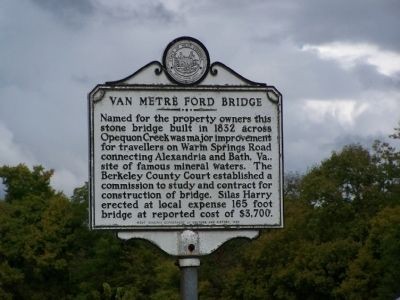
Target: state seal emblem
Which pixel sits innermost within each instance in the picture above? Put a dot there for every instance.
(186, 61)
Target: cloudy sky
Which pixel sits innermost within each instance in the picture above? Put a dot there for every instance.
(337, 64)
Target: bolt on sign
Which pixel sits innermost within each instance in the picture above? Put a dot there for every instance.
(185, 144)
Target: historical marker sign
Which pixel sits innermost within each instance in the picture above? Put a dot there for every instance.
(185, 145)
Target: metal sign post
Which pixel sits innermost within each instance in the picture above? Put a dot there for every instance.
(185, 154)
(188, 246)
(189, 281)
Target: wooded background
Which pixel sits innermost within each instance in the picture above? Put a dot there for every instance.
(341, 241)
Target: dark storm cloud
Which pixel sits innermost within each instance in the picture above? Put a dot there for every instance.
(75, 12)
(371, 21)
(149, 12)
(316, 21)
(369, 78)
(72, 12)
(63, 7)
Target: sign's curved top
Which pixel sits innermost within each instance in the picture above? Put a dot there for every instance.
(186, 62)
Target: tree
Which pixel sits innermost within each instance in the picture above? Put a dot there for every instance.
(21, 182)
(375, 273)
(340, 239)
(34, 233)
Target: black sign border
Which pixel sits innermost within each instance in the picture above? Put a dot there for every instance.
(97, 95)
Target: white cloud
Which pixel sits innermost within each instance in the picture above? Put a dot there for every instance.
(315, 127)
(349, 55)
(344, 111)
(11, 153)
(66, 181)
(366, 114)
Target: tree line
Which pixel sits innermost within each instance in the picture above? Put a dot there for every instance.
(341, 240)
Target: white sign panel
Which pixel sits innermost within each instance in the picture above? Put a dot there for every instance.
(178, 156)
